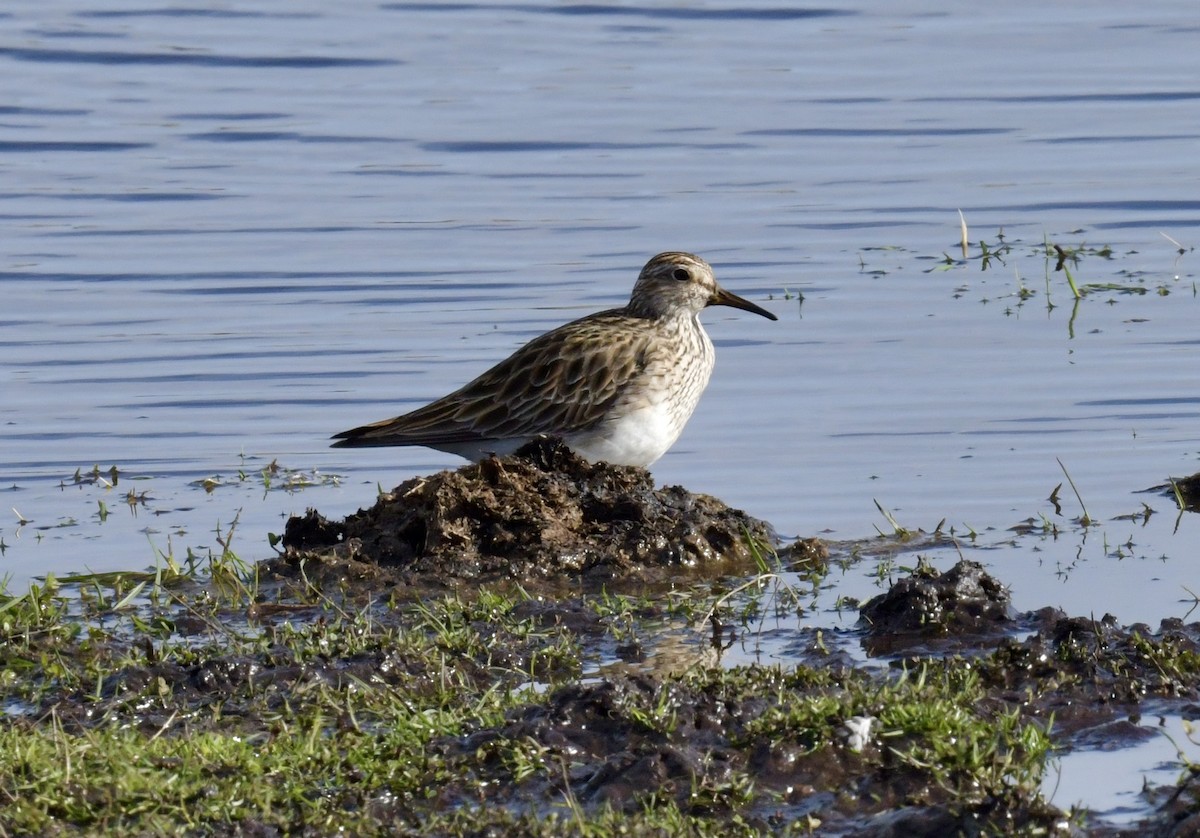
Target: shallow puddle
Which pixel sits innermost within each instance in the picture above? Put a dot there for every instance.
(1101, 775)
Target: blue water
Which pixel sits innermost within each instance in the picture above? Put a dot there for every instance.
(229, 233)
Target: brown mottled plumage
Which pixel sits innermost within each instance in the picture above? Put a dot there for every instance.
(617, 386)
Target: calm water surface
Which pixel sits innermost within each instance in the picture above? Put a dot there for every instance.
(229, 233)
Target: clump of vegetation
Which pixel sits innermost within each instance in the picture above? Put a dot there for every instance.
(1059, 261)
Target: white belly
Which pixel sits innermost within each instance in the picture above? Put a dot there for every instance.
(635, 438)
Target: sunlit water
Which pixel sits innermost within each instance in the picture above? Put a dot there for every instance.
(231, 233)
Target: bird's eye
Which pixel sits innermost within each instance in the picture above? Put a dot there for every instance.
(681, 274)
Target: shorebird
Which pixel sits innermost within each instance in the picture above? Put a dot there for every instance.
(617, 385)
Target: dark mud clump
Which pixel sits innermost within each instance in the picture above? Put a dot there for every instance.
(1089, 674)
(964, 600)
(541, 512)
(1184, 490)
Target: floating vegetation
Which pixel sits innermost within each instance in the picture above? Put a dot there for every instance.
(272, 477)
(1060, 260)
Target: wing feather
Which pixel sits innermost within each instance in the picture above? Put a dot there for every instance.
(561, 382)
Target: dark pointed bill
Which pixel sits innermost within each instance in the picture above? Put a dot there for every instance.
(724, 298)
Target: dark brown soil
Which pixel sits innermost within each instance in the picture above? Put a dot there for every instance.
(540, 512)
(1188, 488)
(962, 602)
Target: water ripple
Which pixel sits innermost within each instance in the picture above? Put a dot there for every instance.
(202, 59)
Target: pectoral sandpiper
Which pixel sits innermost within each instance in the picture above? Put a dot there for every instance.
(617, 386)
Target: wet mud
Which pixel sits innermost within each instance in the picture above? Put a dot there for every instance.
(541, 512)
(1185, 491)
(810, 747)
(544, 514)
(962, 603)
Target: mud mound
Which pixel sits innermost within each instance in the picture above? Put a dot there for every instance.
(542, 511)
(964, 600)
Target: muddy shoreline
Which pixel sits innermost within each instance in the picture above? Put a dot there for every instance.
(535, 645)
